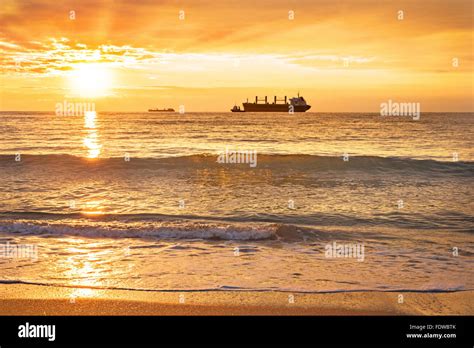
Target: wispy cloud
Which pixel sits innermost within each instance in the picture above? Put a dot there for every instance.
(57, 55)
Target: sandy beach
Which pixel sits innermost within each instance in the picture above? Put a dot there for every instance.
(21, 299)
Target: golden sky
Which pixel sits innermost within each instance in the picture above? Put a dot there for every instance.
(341, 55)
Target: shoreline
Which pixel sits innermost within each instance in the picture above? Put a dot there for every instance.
(26, 300)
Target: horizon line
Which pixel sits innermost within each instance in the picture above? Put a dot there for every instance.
(216, 111)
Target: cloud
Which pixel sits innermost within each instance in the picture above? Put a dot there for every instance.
(243, 43)
(241, 25)
(366, 33)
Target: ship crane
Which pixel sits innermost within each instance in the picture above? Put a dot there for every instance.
(283, 100)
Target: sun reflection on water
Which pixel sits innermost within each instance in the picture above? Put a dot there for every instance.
(93, 208)
(89, 266)
(83, 271)
(91, 140)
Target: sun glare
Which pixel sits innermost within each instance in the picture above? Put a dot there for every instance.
(90, 80)
(91, 140)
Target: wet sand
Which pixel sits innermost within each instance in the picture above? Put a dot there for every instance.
(23, 299)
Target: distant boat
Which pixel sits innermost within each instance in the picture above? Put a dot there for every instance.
(296, 104)
(161, 110)
(236, 109)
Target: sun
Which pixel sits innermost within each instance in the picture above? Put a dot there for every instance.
(90, 80)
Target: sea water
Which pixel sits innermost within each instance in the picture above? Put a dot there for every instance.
(334, 202)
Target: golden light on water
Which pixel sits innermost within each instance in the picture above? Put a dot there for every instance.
(84, 270)
(91, 140)
(92, 208)
(92, 213)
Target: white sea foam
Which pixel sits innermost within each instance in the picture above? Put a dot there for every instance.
(164, 231)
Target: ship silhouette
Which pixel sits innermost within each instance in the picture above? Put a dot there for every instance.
(296, 104)
(161, 110)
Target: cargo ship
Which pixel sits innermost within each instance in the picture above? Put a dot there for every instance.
(296, 104)
(161, 110)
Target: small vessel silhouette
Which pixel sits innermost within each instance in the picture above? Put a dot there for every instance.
(161, 110)
(236, 109)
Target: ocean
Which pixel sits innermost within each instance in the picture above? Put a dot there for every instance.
(323, 202)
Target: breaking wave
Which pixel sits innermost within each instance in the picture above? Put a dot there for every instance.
(187, 230)
(265, 161)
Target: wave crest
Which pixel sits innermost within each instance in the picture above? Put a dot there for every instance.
(164, 231)
(265, 161)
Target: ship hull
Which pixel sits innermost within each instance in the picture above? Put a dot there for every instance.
(252, 107)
